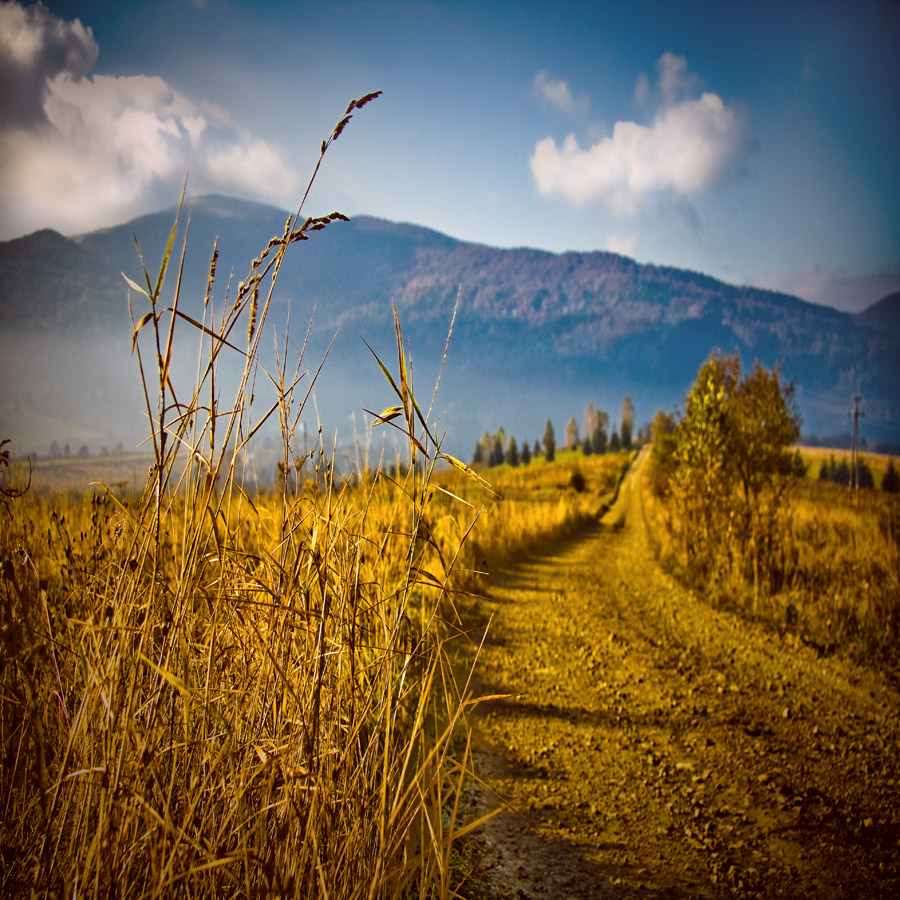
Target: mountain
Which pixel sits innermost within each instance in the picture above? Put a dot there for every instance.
(883, 316)
(537, 334)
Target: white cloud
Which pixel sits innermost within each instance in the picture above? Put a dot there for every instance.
(35, 46)
(105, 148)
(641, 89)
(833, 285)
(557, 93)
(624, 244)
(689, 146)
(675, 80)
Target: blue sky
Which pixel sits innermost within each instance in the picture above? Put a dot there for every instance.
(755, 142)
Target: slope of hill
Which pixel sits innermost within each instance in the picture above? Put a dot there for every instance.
(883, 316)
(548, 332)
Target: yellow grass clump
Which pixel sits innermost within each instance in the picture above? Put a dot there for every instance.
(204, 696)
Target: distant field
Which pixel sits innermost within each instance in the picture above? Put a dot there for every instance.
(129, 472)
(121, 473)
(816, 456)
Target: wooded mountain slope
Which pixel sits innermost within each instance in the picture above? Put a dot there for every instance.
(548, 332)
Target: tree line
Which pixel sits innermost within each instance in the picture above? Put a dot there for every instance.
(83, 452)
(842, 473)
(501, 448)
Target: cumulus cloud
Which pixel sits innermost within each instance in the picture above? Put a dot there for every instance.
(557, 93)
(35, 46)
(641, 89)
(689, 146)
(675, 81)
(79, 151)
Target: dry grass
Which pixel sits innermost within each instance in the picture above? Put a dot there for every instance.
(263, 702)
(838, 563)
(844, 565)
(208, 695)
(537, 503)
(125, 474)
(255, 714)
(203, 696)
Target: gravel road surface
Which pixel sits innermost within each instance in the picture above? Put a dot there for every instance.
(652, 746)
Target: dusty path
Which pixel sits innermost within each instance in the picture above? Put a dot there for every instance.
(658, 748)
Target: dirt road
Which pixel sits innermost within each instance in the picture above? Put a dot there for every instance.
(658, 748)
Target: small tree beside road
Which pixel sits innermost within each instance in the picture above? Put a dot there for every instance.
(731, 478)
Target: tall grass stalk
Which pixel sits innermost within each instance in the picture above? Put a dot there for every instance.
(208, 695)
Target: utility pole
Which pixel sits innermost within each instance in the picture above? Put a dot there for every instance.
(854, 448)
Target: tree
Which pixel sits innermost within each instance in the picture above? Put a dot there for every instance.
(55, 452)
(864, 477)
(890, 483)
(626, 428)
(537, 449)
(572, 434)
(526, 453)
(590, 419)
(662, 459)
(483, 448)
(478, 455)
(598, 435)
(501, 435)
(491, 448)
(593, 419)
(733, 468)
(497, 451)
(512, 452)
(762, 425)
(614, 445)
(549, 442)
(841, 474)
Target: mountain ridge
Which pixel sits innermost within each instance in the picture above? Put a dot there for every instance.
(545, 329)
(227, 208)
(883, 315)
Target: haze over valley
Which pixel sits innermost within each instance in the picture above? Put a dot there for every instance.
(536, 334)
